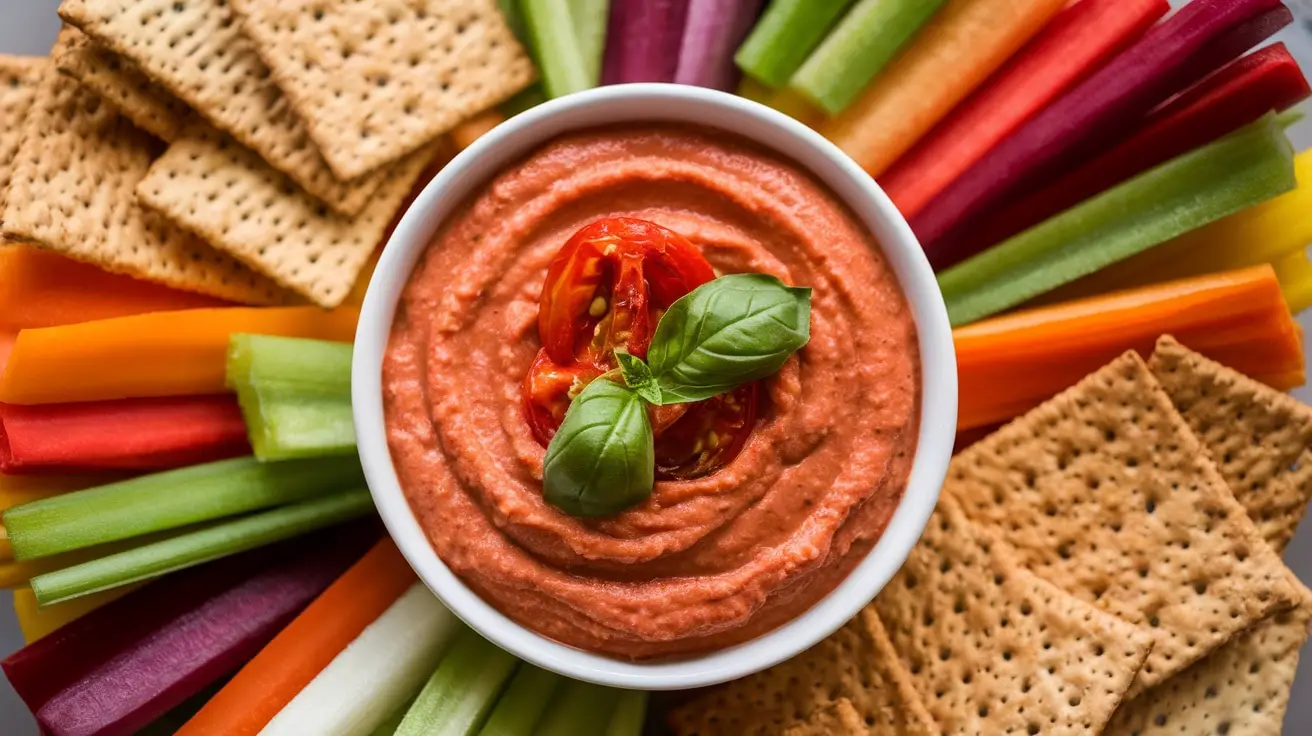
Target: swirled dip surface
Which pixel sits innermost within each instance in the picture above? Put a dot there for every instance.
(704, 563)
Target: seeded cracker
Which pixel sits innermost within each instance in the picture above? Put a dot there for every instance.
(856, 664)
(19, 78)
(1257, 436)
(1106, 493)
(217, 189)
(993, 649)
(72, 192)
(196, 51)
(375, 81)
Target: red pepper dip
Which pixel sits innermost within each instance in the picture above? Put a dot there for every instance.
(725, 549)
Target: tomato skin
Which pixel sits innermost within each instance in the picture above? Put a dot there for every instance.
(548, 389)
(683, 450)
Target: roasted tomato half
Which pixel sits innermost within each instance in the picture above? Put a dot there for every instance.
(607, 288)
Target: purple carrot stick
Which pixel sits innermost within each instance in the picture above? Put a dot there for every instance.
(642, 40)
(714, 31)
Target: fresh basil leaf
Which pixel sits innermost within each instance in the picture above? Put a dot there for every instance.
(602, 459)
(637, 376)
(725, 333)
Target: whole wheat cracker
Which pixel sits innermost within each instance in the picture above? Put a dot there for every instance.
(1258, 437)
(1106, 493)
(215, 188)
(994, 649)
(195, 50)
(19, 78)
(838, 719)
(102, 71)
(72, 191)
(376, 81)
(857, 664)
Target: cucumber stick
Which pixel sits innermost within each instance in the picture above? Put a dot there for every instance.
(462, 690)
(868, 37)
(630, 714)
(578, 708)
(785, 36)
(170, 500)
(520, 708)
(194, 548)
(1249, 166)
(295, 395)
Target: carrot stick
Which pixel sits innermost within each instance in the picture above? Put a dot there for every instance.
(476, 127)
(41, 289)
(1010, 364)
(269, 681)
(37, 621)
(953, 55)
(161, 354)
(1080, 39)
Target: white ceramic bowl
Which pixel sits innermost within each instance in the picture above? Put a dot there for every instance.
(645, 103)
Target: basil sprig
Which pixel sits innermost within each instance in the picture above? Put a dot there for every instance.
(723, 334)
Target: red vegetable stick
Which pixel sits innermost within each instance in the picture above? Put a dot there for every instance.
(129, 434)
(1097, 113)
(1077, 41)
(43, 289)
(306, 646)
(1242, 92)
(642, 40)
(124, 665)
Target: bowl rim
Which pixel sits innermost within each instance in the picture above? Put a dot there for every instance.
(776, 132)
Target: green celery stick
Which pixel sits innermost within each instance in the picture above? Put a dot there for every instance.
(170, 500)
(786, 34)
(578, 708)
(1249, 166)
(194, 548)
(1291, 117)
(514, 18)
(629, 714)
(525, 99)
(526, 698)
(589, 19)
(295, 395)
(863, 43)
(556, 47)
(461, 691)
(393, 722)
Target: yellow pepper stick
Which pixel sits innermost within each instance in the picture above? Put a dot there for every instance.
(37, 621)
(797, 107)
(755, 91)
(965, 43)
(1295, 274)
(1265, 233)
(179, 353)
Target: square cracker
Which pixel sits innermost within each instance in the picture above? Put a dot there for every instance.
(839, 719)
(994, 649)
(1105, 492)
(208, 184)
(19, 78)
(375, 81)
(102, 71)
(1258, 437)
(195, 50)
(72, 191)
(857, 664)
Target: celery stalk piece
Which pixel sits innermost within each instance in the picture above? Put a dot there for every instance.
(514, 18)
(629, 714)
(393, 722)
(1247, 167)
(867, 38)
(375, 675)
(525, 99)
(170, 500)
(194, 548)
(556, 47)
(295, 395)
(787, 33)
(521, 706)
(461, 691)
(579, 707)
(589, 20)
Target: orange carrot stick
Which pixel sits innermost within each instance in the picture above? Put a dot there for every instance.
(1013, 363)
(270, 680)
(953, 55)
(476, 127)
(159, 354)
(42, 289)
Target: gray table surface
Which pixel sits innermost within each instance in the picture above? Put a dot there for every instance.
(29, 27)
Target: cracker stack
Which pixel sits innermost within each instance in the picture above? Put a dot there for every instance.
(295, 132)
(1106, 564)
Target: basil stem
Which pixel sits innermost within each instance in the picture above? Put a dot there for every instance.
(727, 332)
(602, 459)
